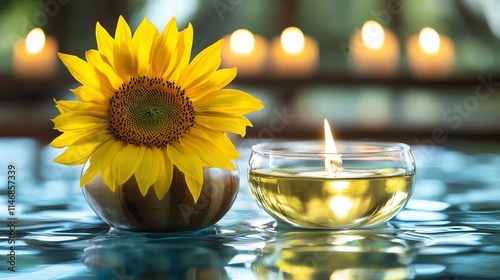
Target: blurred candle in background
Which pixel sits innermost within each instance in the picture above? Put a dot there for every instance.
(374, 51)
(430, 55)
(294, 54)
(246, 51)
(36, 56)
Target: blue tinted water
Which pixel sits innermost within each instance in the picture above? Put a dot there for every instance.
(449, 230)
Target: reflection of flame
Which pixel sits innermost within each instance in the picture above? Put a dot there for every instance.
(292, 40)
(338, 186)
(344, 239)
(372, 35)
(35, 41)
(331, 160)
(364, 273)
(341, 205)
(429, 40)
(342, 274)
(242, 42)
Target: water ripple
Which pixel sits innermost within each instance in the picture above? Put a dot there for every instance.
(450, 229)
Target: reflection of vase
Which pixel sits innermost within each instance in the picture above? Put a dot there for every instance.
(127, 209)
(343, 255)
(191, 256)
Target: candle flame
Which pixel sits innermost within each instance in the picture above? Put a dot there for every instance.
(242, 42)
(35, 41)
(292, 40)
(331, 160)
(429, 40)
(372, 34)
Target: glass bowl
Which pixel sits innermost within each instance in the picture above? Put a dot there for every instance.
(364, 184)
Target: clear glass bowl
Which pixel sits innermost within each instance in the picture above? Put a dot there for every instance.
(364, 184)
(127, 209)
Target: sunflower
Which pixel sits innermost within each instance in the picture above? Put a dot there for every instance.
(143, 109)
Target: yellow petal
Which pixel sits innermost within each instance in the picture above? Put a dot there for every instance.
(95, 58)
(80, 113)
(216, 81)
(210, 154)
(229, 101)
(79, 153)
(145, 36)
(150, 168)
(228, 147)
(72, 107)
(202, 66)
(162, 185)
(65, 139)
(163, 51)
(76, 154)
(90, 173)
(110, 178)
(64, 123)
(194, 186)
(97, 160)
(222, 122)
(126, 162)
(72, 137)
(88, 94)
(105, 42)
(219, 139)
(86, 74)
(189, 163)
(182, 54)
(125, 59)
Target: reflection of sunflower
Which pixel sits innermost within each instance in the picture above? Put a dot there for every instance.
(143, 108)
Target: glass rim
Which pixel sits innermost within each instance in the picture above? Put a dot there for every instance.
(385, 147)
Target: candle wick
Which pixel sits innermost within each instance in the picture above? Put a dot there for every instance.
(333, 166)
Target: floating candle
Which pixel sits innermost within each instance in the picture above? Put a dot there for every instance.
(294, 54)
(36, 56)
(430, 55)
(374, 51)
(311, 185)
(246, 51)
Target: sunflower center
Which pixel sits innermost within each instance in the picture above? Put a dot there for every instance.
(150, 112)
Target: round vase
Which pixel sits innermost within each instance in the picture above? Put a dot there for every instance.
(127, 209)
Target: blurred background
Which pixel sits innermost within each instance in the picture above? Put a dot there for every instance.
(383, 79)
